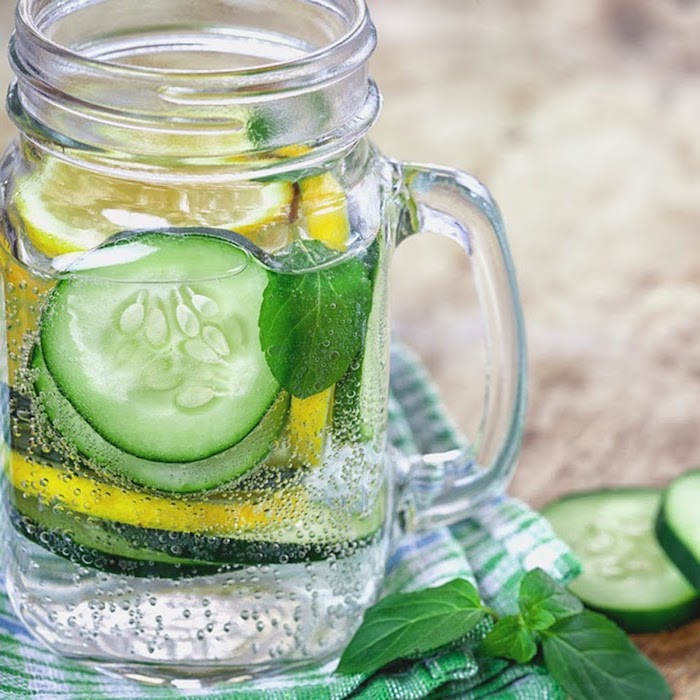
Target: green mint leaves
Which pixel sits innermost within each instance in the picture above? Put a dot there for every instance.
(312, 323)
(542, 601)
(405, 624)
(510, 639)
(587, 654)
(591, 657)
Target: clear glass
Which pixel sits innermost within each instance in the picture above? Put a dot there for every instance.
(196, 239)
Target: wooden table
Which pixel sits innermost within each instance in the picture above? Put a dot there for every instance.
(582, 118)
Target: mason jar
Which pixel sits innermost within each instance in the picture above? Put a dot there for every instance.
(196, 239)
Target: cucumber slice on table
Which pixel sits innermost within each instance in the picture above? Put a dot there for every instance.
(626, 574)
(678, 524)
(153, 341)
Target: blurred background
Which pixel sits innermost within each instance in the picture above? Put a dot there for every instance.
(583, 120)
(582, 117)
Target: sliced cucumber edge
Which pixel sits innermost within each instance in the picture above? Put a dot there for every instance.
(244, 455)
(634, 620)
(675, 544)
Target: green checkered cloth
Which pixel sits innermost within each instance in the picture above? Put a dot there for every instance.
(492, 548)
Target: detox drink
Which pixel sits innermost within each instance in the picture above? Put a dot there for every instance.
(194, 247)
(195, 423)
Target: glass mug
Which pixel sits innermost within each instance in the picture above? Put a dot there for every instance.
(195, 254)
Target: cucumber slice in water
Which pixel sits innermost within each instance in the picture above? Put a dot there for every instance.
(153, 340)
(313, 534)
(678, 524)
(626, 574)
(77, 538)
(175, 477)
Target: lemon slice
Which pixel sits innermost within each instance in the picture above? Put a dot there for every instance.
(324, 214)
(65, 209)
(56, 487)
(324, 207)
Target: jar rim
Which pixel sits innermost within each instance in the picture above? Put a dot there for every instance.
(71, 89)
(358, 32)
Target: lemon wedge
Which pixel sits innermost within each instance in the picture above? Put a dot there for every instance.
(65, 209)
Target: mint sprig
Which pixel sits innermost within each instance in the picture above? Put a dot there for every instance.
(542, 601)
(510, 638)
(312, 323)
(405, 624)
(591, 657)
(587, 654)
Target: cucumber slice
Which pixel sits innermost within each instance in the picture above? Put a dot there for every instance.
(678, 524)
(154, 341)
(175, 477)
(77, 538)
(114, 546)
(626, 574)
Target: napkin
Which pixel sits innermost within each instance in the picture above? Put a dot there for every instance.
(493, 547)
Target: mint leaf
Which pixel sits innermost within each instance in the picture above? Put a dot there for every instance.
(591, 657)
(542, 601)
(509, 639)
(312, 324)
(405, 624)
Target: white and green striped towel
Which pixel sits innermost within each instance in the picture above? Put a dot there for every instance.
(492, 547)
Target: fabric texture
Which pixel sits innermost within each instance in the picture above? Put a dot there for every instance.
(492, 547)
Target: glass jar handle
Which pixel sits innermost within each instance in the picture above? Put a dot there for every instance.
(436, 488)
